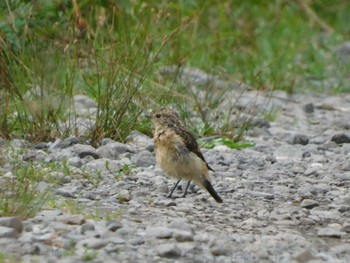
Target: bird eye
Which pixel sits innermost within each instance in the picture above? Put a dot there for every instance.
(157, 115)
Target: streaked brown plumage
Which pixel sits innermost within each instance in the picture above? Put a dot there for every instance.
(178, 153)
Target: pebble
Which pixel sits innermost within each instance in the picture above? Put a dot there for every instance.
(329, 232)
(8, 232)
(341, 138)
(14, 222)
(309, 203)
(168, 251)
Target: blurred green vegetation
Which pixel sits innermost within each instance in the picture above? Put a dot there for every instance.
(111, 51)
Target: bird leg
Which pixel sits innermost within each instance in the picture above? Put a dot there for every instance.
(187, 186)
(169, 196)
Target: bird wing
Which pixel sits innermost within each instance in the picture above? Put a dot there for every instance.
(191, 144)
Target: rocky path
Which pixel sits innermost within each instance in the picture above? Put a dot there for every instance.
(285, 200)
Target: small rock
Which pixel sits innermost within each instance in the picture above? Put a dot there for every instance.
(71, 192)
(88, 226)
(73, 220)
(309, 108)
(139, 139)
(83, 150)
(343, 52)
(103, 166)
(304, 256)
(75, 162)
(180, 224)
(263, 195)
(168, 251)
(341, 249)
(159, 232)
(94, 243)
(42, 186)
(183, 235)
(83, 102)
(329, 232)
(62, 144)
(14, 222)
(112, 150)
(300, 139)
(250, 223)
(326, 215)
(341, 138)
(309, 203)
(288, 154)
(124, 195)
(164, 202)
(114, 226)
(144, 159)
(47, 216)
(220, 248)
(8, 232)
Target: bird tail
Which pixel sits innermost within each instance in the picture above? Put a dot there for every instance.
(207, 185)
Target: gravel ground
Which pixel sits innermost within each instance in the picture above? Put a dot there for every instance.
(285, 200)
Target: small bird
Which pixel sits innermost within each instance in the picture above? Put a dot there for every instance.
(178, 153)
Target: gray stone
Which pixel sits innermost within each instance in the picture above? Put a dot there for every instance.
(168, 251)
(124, 195)
(341, 249)
(35, 155)
(42, 186)
(181, 224)
(83, 101)
(183, 236)
(113, 150)
(83, 150)
(8, 232)
(220, 248)
(62, 144)
(19, 144)
(309, 108)
(88, 226)
(103, 166)
(251, 223)
(343, 52)
(14, 222)
(262, 195)
(326, 215)
(94, 243)
(114, 226)
(300, 139)
(329, 232)
(144, 159)
(165, 202)
(75, 162)
(68, 191)
(309, 203)
(304, 256)
(341, 138)
(47, 216)
(73, 219)
(139, 139)
(159, 232)
(288, 154)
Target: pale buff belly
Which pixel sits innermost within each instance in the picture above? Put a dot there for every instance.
(180, 164)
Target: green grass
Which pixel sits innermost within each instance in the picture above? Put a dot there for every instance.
(5, 258)
(47, 58)
(20, 195)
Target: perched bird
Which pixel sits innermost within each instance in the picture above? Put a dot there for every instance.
(177, 152)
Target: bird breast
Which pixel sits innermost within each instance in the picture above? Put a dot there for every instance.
(175, 158)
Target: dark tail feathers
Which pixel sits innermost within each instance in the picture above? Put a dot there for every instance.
(212, 191)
